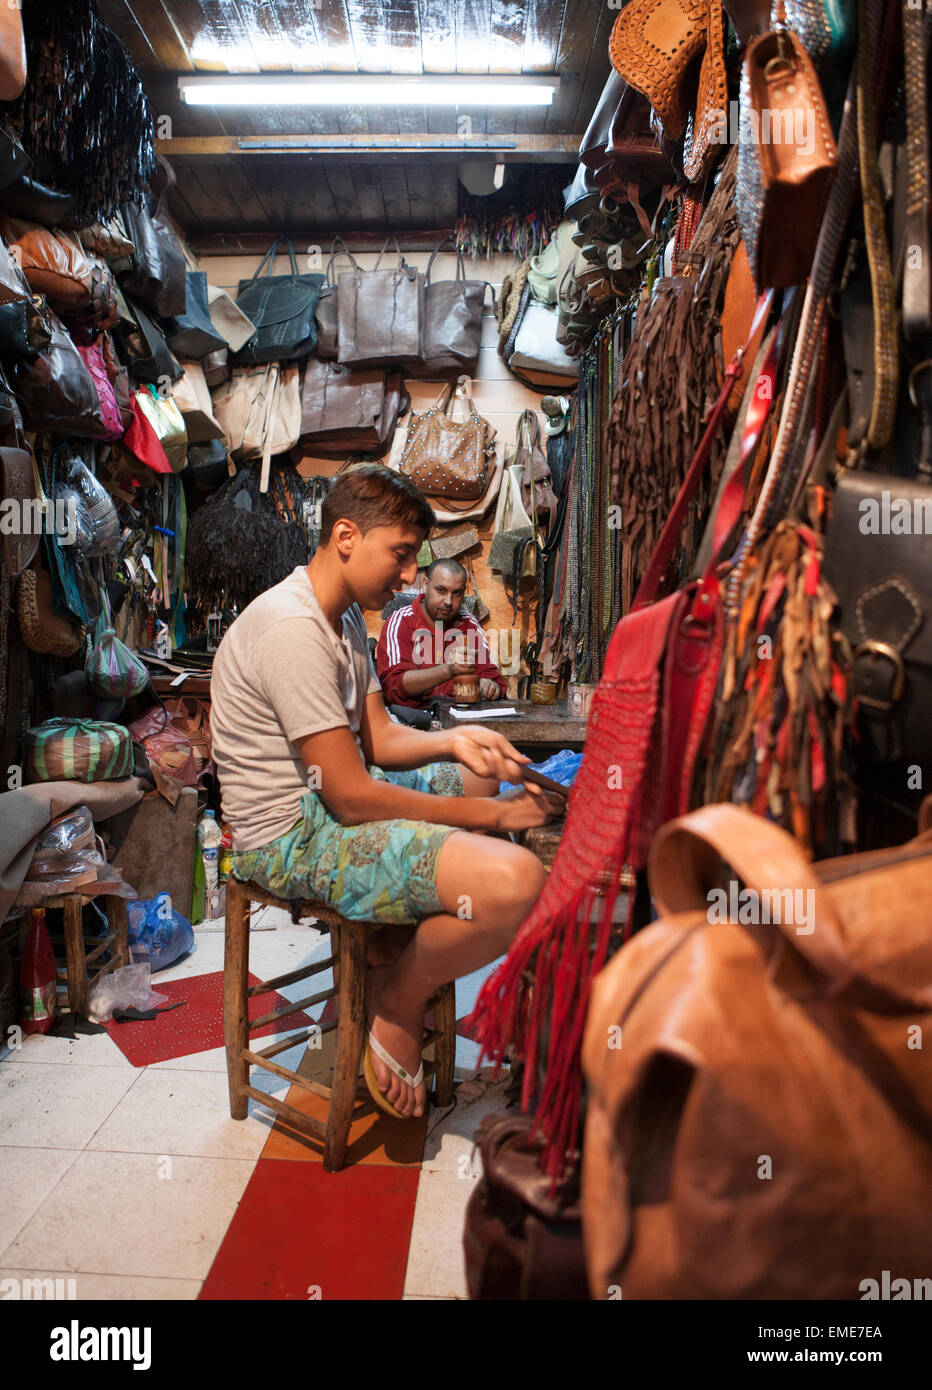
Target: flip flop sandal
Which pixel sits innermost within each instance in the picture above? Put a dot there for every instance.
(378, 1096)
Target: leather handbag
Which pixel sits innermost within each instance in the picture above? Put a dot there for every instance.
(167, 422)
(594, 143)
(192, 397)
(25, 329)
(522, 1239)
(228, 319)
(158, 269)
(452, 319)
(475, 512)
(536, 348)
(381, 313)
(107, 239)
(345, 411)
(57, 391)
(20, 543)
(876, 561)
(282, 307)
(42, 629)
(102, 310)
(654, 46)
(12, 53)
(37, 202)
(54, 264)
(260, 412)
(449, 458)
(207, 464)
(192, 334)
(327, 313)
(761, 1129)
(92, 355)
(144, 350)
(119, 380)
(216, 367)
(536, 491)
(787, 165)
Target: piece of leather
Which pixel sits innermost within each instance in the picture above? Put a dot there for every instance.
(54, 265)
(654, 44)
(733, 1037)
(38, 203)
(156, 277)
(593, 145)
(57, 391)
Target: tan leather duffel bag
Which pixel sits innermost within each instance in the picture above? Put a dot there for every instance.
(760, 1096)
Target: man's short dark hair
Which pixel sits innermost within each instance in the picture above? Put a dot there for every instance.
(370, 495)
(453, 566)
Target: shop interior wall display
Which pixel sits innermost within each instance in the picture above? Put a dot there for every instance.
(499, 396)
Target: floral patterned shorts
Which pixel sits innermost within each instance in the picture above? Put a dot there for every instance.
(383, 871)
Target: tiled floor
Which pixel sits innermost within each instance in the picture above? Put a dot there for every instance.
(133, 1182)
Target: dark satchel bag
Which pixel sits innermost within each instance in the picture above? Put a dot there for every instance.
(192, 334)
(282, 307)
(25, 329)
(381, 313)
(207, 464)
(158, 268)
(144, 350)
(57, 391)
(522, 1240)
(452, 320)
(876, 560)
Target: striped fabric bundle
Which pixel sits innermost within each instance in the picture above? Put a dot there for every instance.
(77, 750)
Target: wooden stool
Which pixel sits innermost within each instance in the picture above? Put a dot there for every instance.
(348, 1096)
(78, 961)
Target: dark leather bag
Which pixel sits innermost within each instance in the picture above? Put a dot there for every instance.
(57, 391)
(192, 334)
(207, 464)
(24, 328)
(452, 320)
(54, 265)
(18, 469)
(282, 307)
(381, 313)
(760, 1128)
(157, 272)
(876, 560)
(144, 350)
(216, 367)
(327, 313)
(368, 408)
(14, 161)
(521, 1240)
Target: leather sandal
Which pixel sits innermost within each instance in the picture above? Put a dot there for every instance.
(378, 1096)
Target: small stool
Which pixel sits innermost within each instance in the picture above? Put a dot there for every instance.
(348, 1095)
(78, 961)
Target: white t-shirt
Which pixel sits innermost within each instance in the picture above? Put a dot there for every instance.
(280, 674)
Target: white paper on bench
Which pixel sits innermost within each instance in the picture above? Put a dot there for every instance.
(471, 714)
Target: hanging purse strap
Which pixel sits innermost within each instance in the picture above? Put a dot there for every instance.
(272, 379)
(267, 260)
(333, 254)
(402, 267)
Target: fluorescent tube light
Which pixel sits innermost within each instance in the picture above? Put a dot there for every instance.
(363, 89)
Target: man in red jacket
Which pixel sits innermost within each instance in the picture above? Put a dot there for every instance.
(424, 646)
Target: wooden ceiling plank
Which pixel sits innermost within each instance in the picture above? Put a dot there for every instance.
(573, 51)
(507, 24)
(199, 201)
(224, 207)
(371, 35)
(343, 191)
(213, 34)
(179, 204)
(395, 195)
(369, 198)
(541, 42)
(320, 198)
(597, 69)
(162, 35)
(422, 187)
(254, 212)
(335, 35)
(437, 27)
(446, 202)
(473, 24)
(266, 178)
(118, 16)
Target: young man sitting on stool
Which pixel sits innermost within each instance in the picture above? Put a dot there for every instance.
(329, 798)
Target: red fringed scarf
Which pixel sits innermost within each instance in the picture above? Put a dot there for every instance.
(649, 712)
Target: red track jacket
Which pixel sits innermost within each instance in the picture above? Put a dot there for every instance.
(410, 641)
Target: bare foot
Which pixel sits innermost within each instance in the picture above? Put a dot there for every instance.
(400, 1034)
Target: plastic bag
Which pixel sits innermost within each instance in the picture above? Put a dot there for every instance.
(126, 988)
(113, 670)
(68, 859)
(97, 525)
(560, 767)
(157, 933)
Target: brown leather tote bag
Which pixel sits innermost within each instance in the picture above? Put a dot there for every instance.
(760, 1100)
(380, 313)
(57, 391)
(54, 263)
(449, 458)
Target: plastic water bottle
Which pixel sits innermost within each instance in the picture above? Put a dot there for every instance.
(208, 837)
